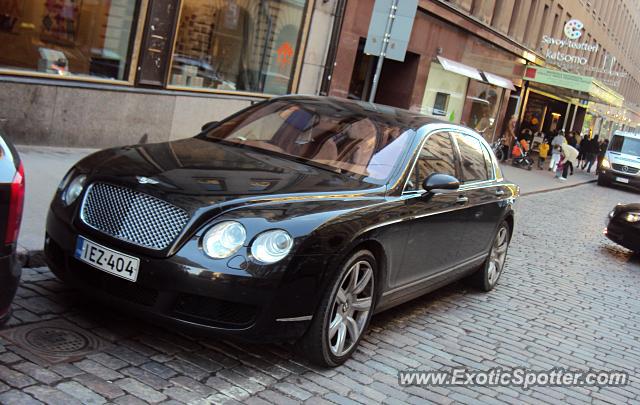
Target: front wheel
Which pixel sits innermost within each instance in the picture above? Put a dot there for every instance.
(601, 181)
(486, 278)
(343, 314)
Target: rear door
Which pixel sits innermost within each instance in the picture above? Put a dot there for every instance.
(484, 194)
(437, 221)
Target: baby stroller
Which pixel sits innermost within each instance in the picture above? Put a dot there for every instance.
(521, 157)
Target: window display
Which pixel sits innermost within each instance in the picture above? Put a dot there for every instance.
(243, 45)
(67, 37)
(444, 94)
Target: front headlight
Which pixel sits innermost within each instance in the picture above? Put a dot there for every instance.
(224, 239)
(605, 164)
(74, 189)
(272, 246)
(631, 216)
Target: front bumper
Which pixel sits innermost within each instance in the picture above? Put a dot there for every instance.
(618, 178)
(259, 303)
(624, 234)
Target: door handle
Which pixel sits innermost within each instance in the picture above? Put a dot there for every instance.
(462, 200)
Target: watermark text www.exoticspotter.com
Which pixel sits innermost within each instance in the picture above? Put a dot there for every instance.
(517, 377)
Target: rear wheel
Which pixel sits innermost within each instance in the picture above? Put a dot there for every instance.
(343, 314)
(486, 278)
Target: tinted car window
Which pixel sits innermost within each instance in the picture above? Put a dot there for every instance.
(474, 167)
(488, 161)
(436, 156)
(321, 134)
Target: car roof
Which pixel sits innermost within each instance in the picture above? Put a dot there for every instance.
(390, 115)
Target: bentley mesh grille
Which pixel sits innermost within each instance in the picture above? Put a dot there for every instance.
(131, 216)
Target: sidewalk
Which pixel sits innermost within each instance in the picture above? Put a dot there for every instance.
(535, 180)
(45, 167)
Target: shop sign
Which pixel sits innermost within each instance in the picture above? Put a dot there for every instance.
(572, 32)
(558, 78)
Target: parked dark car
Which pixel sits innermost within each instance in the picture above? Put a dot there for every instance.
(623, 226)
(12, 186)
(294, 219)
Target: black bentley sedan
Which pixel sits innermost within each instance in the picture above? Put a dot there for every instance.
(296, 219)
(623, 226)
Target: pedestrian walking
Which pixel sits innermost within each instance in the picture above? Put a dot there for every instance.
(556, 149)
(591, 153)
(560, 167)
(604, 145)
(580, 147)
(570, 159)
(543, 152)
(508, 138)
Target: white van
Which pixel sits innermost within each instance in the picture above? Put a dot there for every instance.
(621, 164)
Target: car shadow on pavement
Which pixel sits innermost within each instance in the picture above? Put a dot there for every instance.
(621, 254)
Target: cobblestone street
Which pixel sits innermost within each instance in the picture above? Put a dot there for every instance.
(568, 298)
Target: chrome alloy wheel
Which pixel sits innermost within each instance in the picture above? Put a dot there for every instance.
(350, 308)
(498, 255)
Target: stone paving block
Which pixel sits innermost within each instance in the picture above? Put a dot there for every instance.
(82, 393)
(140, 390)
(18, 397)
(15, 378)
(37, 372)
(51, 396)
(100, 386)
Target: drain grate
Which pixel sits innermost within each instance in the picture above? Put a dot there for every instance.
(54, 341)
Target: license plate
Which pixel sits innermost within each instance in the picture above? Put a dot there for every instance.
(107, 260)
(622, 180)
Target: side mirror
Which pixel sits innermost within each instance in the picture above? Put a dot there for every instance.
(209, 125)
(439, 181)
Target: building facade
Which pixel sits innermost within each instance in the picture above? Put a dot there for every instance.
(555, 64)
(100, 73)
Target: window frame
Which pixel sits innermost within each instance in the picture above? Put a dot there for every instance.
(135, 48)
(297, 68)
(492, 175)
(456, 155)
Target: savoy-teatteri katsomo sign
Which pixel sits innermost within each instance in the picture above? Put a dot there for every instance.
(571, 40)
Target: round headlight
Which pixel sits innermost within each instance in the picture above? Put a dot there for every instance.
(271, 246)
(224, 239)
(74, 189)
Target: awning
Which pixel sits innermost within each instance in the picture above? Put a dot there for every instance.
(588, 86)
(470, 71)
(460, 68)
(499, 81)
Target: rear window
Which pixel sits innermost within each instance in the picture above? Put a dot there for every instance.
(474, 166)
(623, 144)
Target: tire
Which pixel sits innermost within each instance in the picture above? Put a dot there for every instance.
(602, 182)
(486, 278)
(321, 343)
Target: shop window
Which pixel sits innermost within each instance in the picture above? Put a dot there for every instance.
(482, 105)
(444, 94)
(441, 103)
(67, 37)
(238, 45)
